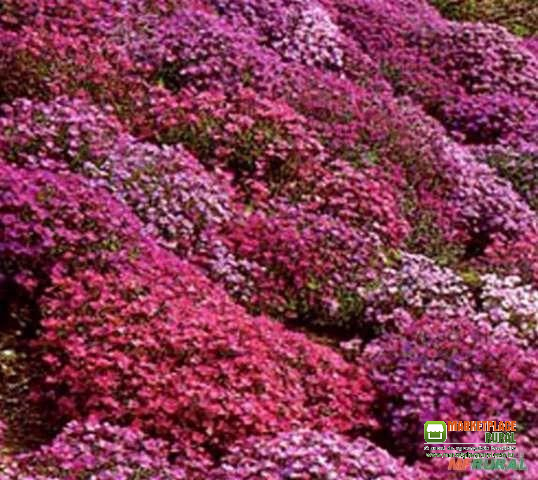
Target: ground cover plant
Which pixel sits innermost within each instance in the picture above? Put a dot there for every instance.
(264, 240)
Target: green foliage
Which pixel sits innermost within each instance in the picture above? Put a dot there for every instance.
(518, 16)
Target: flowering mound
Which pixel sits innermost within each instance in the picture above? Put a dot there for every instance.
(131, 333)
(451, 367)
(96, 450)
(245, 239)
(309, 454)
(166, 187)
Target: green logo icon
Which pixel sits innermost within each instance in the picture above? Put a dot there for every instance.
(435, 432)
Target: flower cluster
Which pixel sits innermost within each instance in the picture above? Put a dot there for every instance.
(299, 31)
(474, 78)
(486, 203)
(43, 64)
(449, 366)
(96, 450)
(507, 300)
(486, 59)
(295, 264)
(308, 454)
(270, 151)
(264, 144)
(414, 283)
(196, 49)
(131, 333)
(516, 163)
(176, 198)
